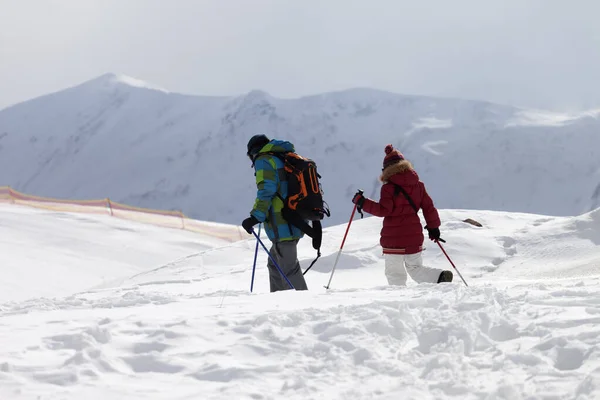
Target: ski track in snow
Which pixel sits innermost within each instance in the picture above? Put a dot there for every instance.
(190, 329)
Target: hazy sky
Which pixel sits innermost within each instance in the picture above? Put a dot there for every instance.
(535, 53)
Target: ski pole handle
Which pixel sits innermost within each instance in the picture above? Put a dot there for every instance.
(359, 209)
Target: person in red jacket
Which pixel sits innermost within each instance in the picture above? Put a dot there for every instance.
(402, 233)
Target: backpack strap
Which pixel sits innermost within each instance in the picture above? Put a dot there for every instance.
(293, 218)
(315, 232)
(399, 189)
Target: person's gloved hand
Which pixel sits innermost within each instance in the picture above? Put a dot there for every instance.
(434, 233)
(248, 223)
(358, 199)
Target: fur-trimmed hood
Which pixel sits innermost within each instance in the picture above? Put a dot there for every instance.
(397, 168)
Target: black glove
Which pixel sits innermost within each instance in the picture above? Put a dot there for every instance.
(359, 199)
(249, 223)
(434, 233)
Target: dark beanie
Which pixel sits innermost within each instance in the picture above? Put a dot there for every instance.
(392, 156)
(256, 143)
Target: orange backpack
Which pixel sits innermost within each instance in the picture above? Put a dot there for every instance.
(304, 191)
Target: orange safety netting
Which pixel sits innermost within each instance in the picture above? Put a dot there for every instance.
(165, 218)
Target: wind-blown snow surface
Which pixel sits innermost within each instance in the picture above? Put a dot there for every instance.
(87, 250)
(118, 137)
(527, 327)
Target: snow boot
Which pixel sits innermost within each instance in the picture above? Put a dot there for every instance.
(445, 276)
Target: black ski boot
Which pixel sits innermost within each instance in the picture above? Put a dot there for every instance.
(445, 276)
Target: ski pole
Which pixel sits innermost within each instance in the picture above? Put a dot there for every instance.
(342, 246)
(272, 259)
(254, 266)
(446, 254)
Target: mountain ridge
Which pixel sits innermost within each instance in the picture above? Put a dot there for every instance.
(115, 136)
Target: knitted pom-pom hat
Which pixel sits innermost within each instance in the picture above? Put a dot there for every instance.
(392, 156)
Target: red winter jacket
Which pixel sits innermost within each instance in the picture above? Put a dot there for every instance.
(402, 232)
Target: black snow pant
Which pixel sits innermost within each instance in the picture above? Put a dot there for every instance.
(286, 255)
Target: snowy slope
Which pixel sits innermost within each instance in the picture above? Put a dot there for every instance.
(525, 328)
(86, 251)
(122, 138)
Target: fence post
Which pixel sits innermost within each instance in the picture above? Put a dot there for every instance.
(182, 219)
(109, 207)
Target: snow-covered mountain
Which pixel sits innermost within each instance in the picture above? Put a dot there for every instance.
(119, 137)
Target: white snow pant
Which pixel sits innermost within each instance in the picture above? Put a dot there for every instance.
(396, 273)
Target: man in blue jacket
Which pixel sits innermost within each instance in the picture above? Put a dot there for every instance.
(272, 188)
